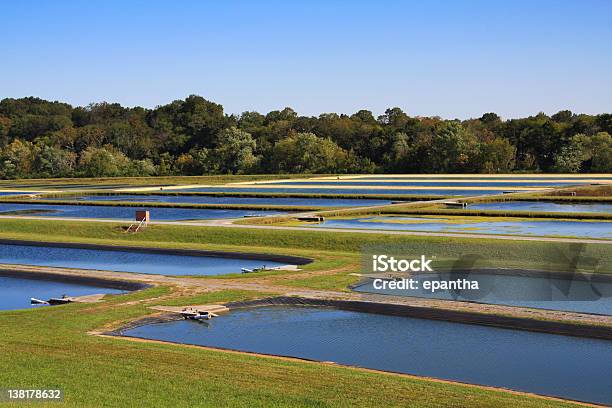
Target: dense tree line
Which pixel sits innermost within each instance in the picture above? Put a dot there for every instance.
(194, 136)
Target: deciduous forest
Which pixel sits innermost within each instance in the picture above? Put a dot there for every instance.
(40, 138)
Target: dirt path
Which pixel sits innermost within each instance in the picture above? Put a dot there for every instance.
(199, 285)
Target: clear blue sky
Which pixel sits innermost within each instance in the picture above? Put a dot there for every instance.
(447, 58)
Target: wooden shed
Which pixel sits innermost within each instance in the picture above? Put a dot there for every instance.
(143, 215)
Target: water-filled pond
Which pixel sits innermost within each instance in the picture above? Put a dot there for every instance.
(357, 190)
(15, 293)
(127, 261)
(542, 206)
(7, 193)
(565, 228)
(538, 291)
(125, 213)
(432, 183)
(192, 199)
(576, 180)
(564, 366)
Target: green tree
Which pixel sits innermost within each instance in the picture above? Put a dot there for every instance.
(5, 126)
(234, 151)
(595, 150)
(452, 149)
(307, 153)
(17, 159)
(52, 161)
(497, 156)
(103, 162)
(569, 160)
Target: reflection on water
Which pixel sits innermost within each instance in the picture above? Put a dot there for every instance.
(578, 295)
(194, 199)
(356, 190)
(582, 229)
(15, 293)
(6, 193)
(542, 206)
(433, 183)
(126, 261)
(570, 367)
(125, 213)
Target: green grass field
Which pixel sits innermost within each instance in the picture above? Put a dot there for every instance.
(260, 207)
(50, 348)
(302, 243)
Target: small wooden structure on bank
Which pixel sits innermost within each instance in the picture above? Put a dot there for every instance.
(455, 204)
(196, 312)
(143, 217)
(311, 218)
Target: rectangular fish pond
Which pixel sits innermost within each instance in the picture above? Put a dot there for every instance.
(474, 225)
(130, 260)
(589, 178)
(569, 367)
(9, 193)
(194, 199)
(126, 213)
(545, 206)
(332, 189)
(15, 293)
(433, 183)
(526, 289)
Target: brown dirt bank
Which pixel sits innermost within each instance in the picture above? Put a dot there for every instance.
(549, 321)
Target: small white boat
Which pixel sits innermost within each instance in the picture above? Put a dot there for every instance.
(263, 268)
(196, 315)
(34, 301)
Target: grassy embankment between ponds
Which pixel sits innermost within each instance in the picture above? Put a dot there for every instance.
(438, 210)
(577, 194)
(331, 251)
(245, 194)
(49, 348)
(425, 209)
(258, 207)
(55, 183)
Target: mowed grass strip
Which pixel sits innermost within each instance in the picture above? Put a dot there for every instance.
(314, 244)
(53, 183)
(212, 206)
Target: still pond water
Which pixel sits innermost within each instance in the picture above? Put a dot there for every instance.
(357, 190)
(15, 293)
(125, 213)
(126, 261)
(564, 366)
(193, 199)
(580, 229)
(537, 292)
(542, 206)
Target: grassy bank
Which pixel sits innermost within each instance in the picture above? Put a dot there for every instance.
(49, 348)
(316, 243)
(542, 198)
(246, 194)
(604, 190)
(259, 207)
(53, 183)
(496, 213)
